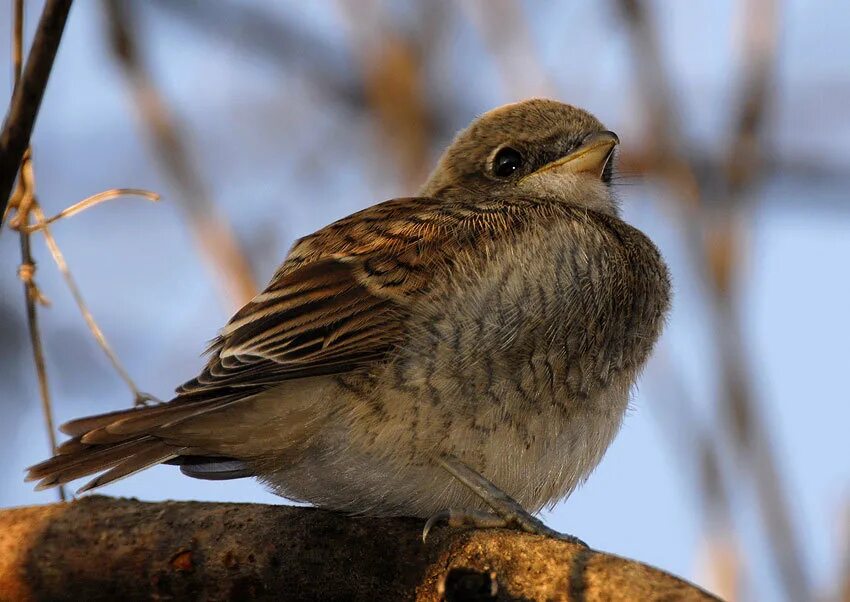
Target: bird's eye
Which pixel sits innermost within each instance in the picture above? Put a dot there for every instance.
(506, 162)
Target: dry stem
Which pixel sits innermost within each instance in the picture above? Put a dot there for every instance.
(23, 198)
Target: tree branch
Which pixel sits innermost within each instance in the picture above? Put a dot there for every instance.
(99, 548)
(17, 128)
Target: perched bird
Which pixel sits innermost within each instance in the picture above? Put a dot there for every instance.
(471, 348)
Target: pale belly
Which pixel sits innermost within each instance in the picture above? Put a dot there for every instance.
(381, 462)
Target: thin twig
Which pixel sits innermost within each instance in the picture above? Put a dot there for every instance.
(33, 297)
(28, 93)
(25, 204)
(23, 199)
(95, 199)
(139, 397)
(212, 234)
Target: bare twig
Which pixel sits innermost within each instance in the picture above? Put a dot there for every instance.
(23, 200)
(212, 233)
(28, 92)
(95, 199)
(33, 297)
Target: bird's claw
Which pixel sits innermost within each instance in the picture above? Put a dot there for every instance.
(465, 518)
(436, 518)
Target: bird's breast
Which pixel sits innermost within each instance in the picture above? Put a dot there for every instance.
(521, 361)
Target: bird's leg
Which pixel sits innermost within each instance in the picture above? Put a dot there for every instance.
(508, 513)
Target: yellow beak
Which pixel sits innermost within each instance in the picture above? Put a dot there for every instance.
(591, 157)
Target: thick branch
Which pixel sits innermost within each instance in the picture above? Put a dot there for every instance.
(26, 101)
(99, 548)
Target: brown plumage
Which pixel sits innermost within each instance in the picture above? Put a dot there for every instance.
(500, 318)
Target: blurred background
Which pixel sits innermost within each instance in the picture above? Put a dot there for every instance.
(259, 122)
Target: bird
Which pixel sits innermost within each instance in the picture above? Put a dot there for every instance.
(466, 354)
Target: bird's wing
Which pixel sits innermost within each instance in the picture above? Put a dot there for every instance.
(340, 300)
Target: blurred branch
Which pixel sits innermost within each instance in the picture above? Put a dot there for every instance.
(393, 70)
(843, 577)
(28, 92)
(254, 29)
(281, 42)
(126, 549)
(703, 170)
(715, 237)
(664, 153)
(760, 39)
(211, 232)
(723, 244)
(267, 36)
(506, 32)
(664, 157)
(676, 412)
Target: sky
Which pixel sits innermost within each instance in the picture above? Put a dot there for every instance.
(259, 136)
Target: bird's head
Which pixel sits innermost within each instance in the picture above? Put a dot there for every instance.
(535, 148)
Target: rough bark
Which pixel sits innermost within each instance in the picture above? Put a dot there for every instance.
(99, 548)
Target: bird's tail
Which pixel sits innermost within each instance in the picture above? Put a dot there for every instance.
(119, 444)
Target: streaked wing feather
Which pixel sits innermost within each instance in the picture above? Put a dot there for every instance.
(316, 320)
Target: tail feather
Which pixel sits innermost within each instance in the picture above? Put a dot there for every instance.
(121, 443)
(67, 467)
(133, 424)
(154, 453)
(81, 426)
(71, 446)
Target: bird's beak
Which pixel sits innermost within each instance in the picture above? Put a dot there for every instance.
(590, 158)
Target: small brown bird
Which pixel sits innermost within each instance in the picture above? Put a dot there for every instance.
(471, 348)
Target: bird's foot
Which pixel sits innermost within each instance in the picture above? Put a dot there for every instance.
(486, 520)
(507, 512)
